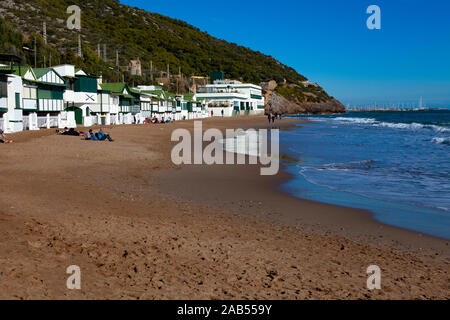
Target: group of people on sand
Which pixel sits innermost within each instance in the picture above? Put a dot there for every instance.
(156, 120)
(90, 135)
(271, 116)
(97, 136)
(3, 138)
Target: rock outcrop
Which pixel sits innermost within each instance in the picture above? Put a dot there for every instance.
(305, 100)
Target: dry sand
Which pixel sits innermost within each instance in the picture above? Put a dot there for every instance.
(140, 228)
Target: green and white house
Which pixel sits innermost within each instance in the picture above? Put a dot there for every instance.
(38, 99)
(193, 107)
(81, 95)
(149, 102)
(44, 96)
(163, 102)
(11, 92)
(128, 102)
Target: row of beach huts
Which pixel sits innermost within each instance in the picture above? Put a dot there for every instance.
(66, 96)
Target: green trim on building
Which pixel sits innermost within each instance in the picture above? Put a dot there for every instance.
(85, 84)
(17, 96)
(50, 94)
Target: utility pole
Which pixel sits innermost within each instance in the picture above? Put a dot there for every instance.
(151, 70)
(35, 53)
(44, 27)
(99, 53)
(104, 53)
(117, 65)
(80, 53)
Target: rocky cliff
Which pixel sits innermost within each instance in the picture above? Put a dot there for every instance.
(305, 97)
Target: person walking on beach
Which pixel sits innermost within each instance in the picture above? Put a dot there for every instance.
(212, 113)
(222, 113)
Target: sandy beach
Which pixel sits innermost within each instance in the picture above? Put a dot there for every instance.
(140, 227)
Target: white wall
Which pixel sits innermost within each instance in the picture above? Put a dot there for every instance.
(65, 70)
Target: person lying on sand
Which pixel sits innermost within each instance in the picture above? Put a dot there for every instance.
(3, 137)
(90, 135)
(69, 132)
(63, 131)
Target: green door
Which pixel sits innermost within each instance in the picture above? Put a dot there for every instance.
(78, 116)
(17, 100)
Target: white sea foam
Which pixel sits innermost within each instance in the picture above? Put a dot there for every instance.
(441, 140)
(356, 120)
(393, 125)
(440, 129)
(406, 126)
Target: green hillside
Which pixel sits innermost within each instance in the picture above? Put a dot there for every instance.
(136, 33)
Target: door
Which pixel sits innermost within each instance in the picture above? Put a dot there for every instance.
(78, 116)
(17, 100)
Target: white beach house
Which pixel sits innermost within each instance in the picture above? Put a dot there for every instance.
(81, 95)
(232, 97)
(11, 93)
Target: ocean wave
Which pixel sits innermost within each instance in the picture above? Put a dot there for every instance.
(407, 126)
(345, 166)
(438, 140)
(440, 129)
(356, 120)
(393, 125)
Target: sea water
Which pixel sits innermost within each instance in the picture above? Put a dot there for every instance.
(394, 164)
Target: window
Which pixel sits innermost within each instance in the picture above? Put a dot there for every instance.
(3, 89)
(29, 93)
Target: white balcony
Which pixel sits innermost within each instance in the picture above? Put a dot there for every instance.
(30, 104)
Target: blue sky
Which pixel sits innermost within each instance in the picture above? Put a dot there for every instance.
(328, 42)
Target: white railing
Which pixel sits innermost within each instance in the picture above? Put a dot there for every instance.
(54, 122)
(42, 122)
(26, 123)
(47, 122)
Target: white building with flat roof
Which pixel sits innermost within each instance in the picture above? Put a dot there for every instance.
(232, 97)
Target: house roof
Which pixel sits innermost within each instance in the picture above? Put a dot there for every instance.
(39, 72)
(117, 88)
(188, 97)
(114, 87)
